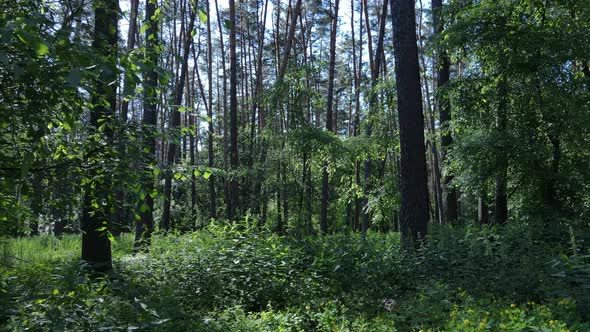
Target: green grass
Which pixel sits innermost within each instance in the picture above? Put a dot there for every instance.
(47, 249)
(516, 278)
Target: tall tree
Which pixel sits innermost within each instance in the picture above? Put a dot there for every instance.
(329, 118)
(443, 70)
(233, 111)
(413, 183)
(501, 194)
(145, 224)
(96, 246)
(171, 155)
(210, 153)
(375, 64)
(119, 214)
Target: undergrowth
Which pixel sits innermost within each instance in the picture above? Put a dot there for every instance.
(514, 278)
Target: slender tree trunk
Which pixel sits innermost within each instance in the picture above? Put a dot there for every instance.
(501, 196)
(289, 41)
(413, 185)
(257, 106)
(233, 112)
(119, 215)
(171, 156)
(375, 69)
(482, 209)
(442, 77)
(145, 225)
(329, 124)
(435, 162)
(357, 81)
(96, 246)
(210, 152)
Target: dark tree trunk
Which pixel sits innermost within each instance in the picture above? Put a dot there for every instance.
(482, 210)
(442, 77)
(36, 202)
(96, 246)
(144, 226)
(210, 152)
(413, 185)
(357, 80)
(375, 70)
(501, 196)
(120, 214)
(329, 118)
(171, 155)
(233, 111)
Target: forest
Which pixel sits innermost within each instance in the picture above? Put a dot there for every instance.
(294, 165)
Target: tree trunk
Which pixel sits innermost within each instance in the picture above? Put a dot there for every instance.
(233, 111)
(501, 196)
(446, 139)
(144, 226)
(413, 185)
(375, 69)
(171, 155)
(329, 118)
(96, 246)
(210, 152)
(482, 209)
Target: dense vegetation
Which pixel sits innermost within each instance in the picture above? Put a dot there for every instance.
(295, 165)
(226, 279)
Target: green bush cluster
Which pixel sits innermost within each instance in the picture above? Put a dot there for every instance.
(244, 278)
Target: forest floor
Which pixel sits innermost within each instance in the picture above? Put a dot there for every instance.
(515, 278)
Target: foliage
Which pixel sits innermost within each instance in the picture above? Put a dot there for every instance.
(244, 278)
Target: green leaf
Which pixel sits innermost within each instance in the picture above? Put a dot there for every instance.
(177, 176)
(41, 48)
(55, 291)
(34, 41)
(111, 237)
(207, 173)
(203, 16)
(227, 24)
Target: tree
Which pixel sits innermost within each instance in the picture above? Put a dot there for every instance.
(171, 155)
(233, 111)
(211, 156)
(443, 70)
(375, 66)
(413, 185)
(96, 246)
(329, 118)
(145, 224)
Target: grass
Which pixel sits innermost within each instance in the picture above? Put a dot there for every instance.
(517, 278)
(47, 249)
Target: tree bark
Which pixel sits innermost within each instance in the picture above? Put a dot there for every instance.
(375, 69)
(446, 139)
(329, 118)
(210, 152)
(413, 185)
(96, 246)
(233, 111)
(144, 226)
(171, 155)
(501, 195)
